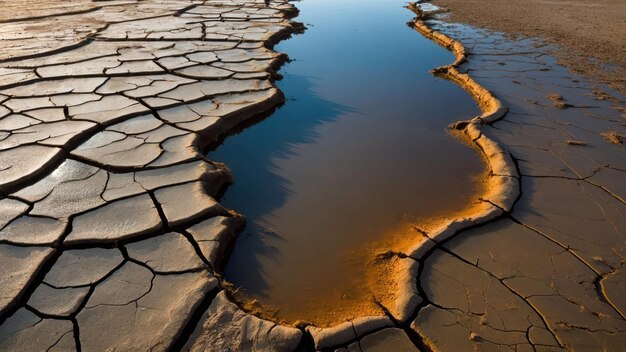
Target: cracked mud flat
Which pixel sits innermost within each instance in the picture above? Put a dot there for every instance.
(104, 127)
(591, 34)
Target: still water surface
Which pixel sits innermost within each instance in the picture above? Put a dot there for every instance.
(359, 150)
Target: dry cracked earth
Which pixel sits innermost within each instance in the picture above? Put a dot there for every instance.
(111, 234)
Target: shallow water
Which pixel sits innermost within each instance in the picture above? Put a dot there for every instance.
(359, 152)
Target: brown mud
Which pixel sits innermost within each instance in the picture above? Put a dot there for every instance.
(591, 35)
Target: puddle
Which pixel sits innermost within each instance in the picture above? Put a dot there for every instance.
(358, 154)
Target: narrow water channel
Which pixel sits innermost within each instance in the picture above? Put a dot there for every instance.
(357, 154)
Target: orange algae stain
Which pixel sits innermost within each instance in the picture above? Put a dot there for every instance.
(374, 269)
(380, 259)
(369, 272)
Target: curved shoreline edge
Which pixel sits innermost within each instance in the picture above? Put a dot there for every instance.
(503, 181)
(503, 186)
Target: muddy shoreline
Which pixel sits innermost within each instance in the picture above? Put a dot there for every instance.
(556, 161)
(590, 35)
(346, 127)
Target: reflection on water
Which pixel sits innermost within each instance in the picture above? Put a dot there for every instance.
(358, 152)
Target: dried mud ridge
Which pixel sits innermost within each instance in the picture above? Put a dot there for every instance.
(111, 107)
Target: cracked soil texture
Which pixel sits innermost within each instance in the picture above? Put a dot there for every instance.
(538, 278)
(590, 34)
(108, 218)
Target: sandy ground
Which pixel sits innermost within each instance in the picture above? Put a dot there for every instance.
(593, 33)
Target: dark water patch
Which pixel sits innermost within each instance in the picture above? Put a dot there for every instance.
(359, 151)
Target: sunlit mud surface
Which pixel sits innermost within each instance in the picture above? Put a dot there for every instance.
(356, 159)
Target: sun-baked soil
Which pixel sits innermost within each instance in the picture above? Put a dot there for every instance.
(591, 34)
